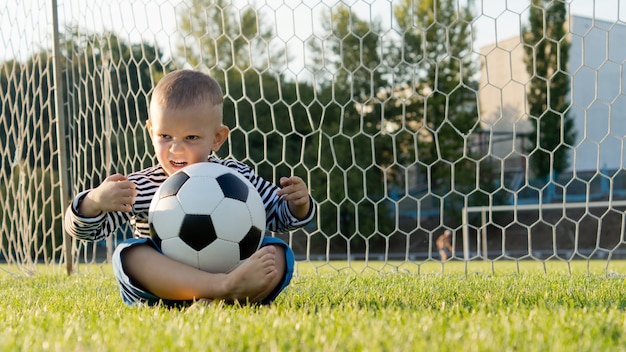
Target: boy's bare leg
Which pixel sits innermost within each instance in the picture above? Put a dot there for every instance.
(169, 279)
(443, 254)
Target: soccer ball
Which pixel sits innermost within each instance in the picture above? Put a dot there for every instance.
(208, 216)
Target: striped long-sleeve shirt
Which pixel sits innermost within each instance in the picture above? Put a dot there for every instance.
(278, 215)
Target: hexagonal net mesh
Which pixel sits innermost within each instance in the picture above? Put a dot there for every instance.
(501, 123)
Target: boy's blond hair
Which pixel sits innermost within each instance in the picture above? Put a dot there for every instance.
(184, 88)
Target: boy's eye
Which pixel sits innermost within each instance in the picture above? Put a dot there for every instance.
(192, 138)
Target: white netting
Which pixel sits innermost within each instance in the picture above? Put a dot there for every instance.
(500, 122)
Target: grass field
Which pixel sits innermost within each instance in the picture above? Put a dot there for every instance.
(521, 306)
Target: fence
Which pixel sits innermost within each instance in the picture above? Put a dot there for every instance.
(403, 118)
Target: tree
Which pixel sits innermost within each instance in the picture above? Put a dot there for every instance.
(547, 54)
(107, 82)
(350, 179)
(28, 119)
(266, 113)
(28, 172)
(433, 82)
(218, 36)
(231, 43)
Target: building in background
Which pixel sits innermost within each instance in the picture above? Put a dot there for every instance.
(598, 97)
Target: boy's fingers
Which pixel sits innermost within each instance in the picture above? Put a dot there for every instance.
(129, 200)
(297, 196)
(127, 208)
(122, 182)
(117, 178)
(285, 181)
(129, 185)
(290, 181)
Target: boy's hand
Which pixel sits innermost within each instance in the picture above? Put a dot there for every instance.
(116, 193)
(296, 194)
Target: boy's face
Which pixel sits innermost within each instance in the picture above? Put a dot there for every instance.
(185, 136)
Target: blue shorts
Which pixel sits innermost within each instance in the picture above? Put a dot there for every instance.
(133, 294)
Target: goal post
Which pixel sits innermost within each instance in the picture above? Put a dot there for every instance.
(484, 211)
(64, 175)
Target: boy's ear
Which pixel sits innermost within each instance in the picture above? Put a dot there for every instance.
(221, 135)
(149, 127)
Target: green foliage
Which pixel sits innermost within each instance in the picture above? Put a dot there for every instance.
(434, 60)
(547, 55)
(349, 78)
(29, 194)
(28, 111)
(348, 130)
(381, 106)
(267, 114)
(107, 84)
(219, 36)
(531, 311)
(31, 208)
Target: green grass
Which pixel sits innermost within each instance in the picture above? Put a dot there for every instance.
(467, 308)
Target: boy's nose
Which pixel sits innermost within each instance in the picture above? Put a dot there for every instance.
(175, 147)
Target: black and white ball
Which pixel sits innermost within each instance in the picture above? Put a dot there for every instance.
(208, 216)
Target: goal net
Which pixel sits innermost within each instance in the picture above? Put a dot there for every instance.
(499, 122)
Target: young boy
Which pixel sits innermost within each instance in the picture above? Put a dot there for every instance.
(185, 125)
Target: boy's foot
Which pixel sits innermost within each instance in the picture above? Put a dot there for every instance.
(251, 281)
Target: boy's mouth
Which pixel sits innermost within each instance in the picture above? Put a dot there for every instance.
(178, 163)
